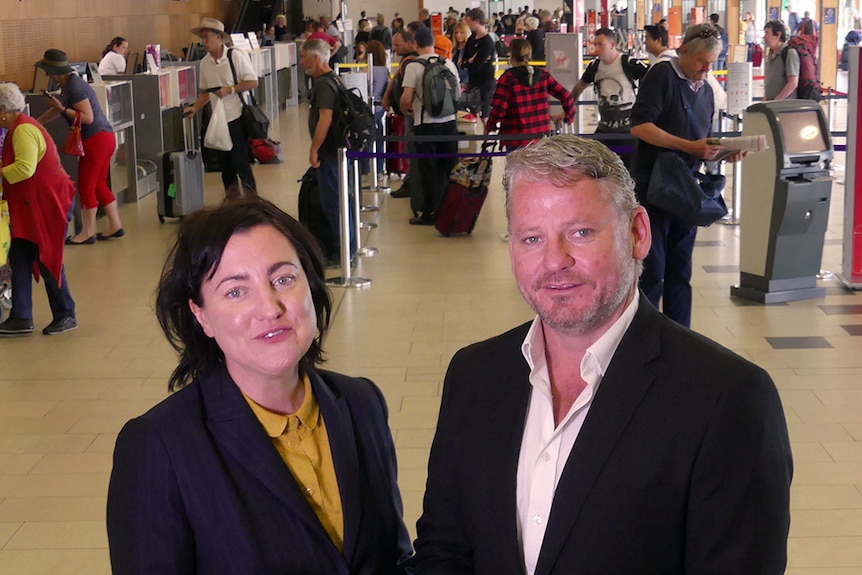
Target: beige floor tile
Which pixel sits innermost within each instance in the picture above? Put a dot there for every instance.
(825, 497)
(826, 523)
(7, 530)
(60, 535)
(19, 463)
(52, 508)
(65, 463)
(60, 485)
(68, 443)
(805, 552)
(55, 562)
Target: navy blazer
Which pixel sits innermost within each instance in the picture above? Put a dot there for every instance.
(682, 465)
(198, 487)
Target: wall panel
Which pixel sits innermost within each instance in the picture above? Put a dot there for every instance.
(83, 27)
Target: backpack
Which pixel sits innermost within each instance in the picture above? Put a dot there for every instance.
(809, 73)
(352, 119)
(806, 27)
(398, 85)
(441, 89)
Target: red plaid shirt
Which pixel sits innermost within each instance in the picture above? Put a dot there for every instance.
(522, 109)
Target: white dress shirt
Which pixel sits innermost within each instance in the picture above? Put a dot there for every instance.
(217, 73)
(545, 448)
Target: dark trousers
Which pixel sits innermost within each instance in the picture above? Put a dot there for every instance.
(435, 171)
(22, 256)
(667, 267)
(327, 182)
(235, 162)
(486, 92)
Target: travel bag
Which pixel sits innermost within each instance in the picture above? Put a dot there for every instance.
(461, 206)
(311, 212)
(395, 127)
(181, 178)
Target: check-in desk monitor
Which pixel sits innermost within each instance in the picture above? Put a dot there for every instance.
(784, 202)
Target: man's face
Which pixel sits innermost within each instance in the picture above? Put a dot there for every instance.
(696, 65)
(606, 49)
(654, 47)
(474, 25)
(772, 41)
(309, 62)
(573, 256)
(212, 41)
(398, 44)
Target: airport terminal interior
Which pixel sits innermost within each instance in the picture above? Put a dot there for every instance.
(63, 399)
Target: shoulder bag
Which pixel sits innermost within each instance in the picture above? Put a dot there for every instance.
(686, 194)
(254, 120)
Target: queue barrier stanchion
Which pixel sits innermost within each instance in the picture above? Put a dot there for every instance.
(345, 279)
(357, 194)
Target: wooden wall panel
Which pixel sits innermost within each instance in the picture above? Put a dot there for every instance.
(83, 27)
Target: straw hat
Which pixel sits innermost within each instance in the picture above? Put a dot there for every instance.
(213, 25)
(55, 62)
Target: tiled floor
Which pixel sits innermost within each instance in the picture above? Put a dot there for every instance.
(63, 399)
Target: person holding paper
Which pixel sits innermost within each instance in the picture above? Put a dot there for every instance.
(217, 81)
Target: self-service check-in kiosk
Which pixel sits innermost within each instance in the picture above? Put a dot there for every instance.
(785, 202)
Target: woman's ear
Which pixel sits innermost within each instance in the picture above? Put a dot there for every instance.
(201, 316)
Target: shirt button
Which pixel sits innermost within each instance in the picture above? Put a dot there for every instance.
(537, 519)
(545, 456)
(291, 444)
(309, 491)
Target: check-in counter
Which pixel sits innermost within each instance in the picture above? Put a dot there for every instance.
(287, 73)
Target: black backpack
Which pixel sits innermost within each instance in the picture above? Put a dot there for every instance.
(352, 119)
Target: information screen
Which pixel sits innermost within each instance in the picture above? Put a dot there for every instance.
(803, 133)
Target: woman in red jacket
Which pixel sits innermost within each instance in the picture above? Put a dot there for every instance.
(40, 195)
(520, 102)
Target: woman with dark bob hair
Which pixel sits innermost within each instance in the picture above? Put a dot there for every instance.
(260, 462)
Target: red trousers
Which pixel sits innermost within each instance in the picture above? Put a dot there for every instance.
(93, 170)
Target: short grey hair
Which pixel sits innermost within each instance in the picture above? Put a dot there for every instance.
(11, 98)
(531, 23)
(318, 47)
(703, 38)
(565, 159)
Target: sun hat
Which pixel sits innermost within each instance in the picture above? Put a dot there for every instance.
(55, 62)
(215, 26)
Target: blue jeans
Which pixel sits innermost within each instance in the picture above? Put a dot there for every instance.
(667, 267)
(327, 181)
(22, 256)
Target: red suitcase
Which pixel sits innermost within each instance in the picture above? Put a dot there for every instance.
(395, 127)
(460, 209)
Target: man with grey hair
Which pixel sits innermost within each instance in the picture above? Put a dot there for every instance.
(600, 438)
(323, 151)
(536, 38)
(673, 112)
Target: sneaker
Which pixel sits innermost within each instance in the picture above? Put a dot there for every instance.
(15, 327)
(61, 325)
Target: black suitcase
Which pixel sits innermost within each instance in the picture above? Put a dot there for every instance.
(181, 178)
(311, 212)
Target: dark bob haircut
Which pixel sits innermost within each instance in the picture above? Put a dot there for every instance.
(194, 259)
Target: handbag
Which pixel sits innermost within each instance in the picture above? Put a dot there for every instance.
(74, 144)
(474, 171)
(692, 197)
(254, 120)
(267, 151)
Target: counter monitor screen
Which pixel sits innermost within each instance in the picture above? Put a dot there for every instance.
(803, 133)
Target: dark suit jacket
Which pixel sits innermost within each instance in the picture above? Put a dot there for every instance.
(198, 487)
(682, 465)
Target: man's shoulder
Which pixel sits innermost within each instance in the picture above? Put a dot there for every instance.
(493, 352)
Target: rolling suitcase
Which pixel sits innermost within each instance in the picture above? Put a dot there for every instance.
(181, 178)
(311, 212)
(466, 194)
(395, 127)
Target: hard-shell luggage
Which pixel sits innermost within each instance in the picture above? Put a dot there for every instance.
(395, 127)
(311, 212)
(461, 206)
(181, 178)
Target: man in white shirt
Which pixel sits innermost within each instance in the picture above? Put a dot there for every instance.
(601, 438)
(434, 171)
(217, 82)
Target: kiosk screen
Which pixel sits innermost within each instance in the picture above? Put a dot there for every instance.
(803, 133)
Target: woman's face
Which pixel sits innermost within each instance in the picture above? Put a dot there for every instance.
(122, 48)
(460, 37)
(258, 307)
